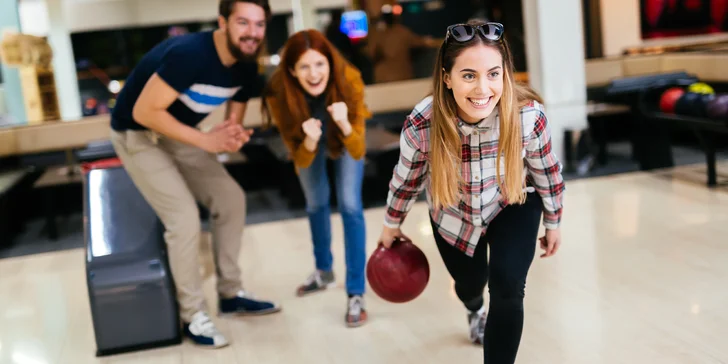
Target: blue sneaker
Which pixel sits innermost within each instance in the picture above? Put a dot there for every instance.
(202, 331)
(244, 304)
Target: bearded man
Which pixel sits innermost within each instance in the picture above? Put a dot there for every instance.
(174, 164)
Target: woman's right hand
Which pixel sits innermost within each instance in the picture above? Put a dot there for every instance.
(312, 129)
(389, 234)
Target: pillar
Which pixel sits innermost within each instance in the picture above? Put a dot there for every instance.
(620, 26)
(10, 20)
(64, 63)
(555, 59)
(304, 15)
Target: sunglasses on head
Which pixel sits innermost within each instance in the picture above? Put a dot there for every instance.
(465, 32)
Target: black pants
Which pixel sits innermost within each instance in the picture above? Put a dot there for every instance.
(512, 238)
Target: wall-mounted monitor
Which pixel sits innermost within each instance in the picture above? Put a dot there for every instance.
(354, 24)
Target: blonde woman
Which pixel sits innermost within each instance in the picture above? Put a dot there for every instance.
(480, 145)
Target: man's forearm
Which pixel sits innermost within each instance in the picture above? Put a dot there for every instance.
(164, 123)
(235, 111)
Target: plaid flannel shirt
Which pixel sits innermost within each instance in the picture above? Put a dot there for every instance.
(481, 200)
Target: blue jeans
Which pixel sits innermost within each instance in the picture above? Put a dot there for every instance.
(349, 174)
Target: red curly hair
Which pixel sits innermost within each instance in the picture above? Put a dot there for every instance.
(284, 86)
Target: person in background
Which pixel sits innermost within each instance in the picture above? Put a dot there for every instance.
(390, 46)
(174, 164)
(316, 100)
(481, 147)
(352, 49)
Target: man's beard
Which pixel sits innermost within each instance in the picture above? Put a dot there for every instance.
(238, 54)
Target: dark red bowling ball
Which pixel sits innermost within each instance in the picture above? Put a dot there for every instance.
(398, 274)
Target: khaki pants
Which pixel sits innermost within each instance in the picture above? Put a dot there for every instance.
(172, 176)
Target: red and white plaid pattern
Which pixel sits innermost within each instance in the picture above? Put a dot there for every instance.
(481, 201)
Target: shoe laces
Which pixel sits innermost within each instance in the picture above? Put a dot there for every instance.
(245, 294)
(477, 321)
(356, 303)
(205, 325)
(314, 277)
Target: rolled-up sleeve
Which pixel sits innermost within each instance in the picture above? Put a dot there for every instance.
(545, 171)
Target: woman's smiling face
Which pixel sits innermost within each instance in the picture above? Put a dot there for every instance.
(476, 81)
(312, 71)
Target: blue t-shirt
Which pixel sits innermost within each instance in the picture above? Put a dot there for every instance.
(189, 64)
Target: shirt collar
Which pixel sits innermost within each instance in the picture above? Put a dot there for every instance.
(483, 125)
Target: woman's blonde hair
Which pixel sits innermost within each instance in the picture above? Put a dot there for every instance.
(445, 147)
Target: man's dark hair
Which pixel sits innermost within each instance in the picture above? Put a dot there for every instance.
(226, 7)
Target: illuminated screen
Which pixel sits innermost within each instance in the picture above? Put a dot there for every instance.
(354, 24)
(671, 18)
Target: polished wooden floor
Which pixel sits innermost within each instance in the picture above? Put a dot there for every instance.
(642, 277)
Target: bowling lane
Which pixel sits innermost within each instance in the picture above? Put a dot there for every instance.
(637, 280)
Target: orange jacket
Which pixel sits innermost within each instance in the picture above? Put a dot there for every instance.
(335, 141)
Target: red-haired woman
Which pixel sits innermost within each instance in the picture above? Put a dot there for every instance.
(316, 100)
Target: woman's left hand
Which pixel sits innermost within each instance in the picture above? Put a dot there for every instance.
(550, 242)
(340, 114)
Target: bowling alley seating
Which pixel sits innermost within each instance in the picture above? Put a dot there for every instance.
(12, 181)
(50, 185)
(382, 156)
(60, 174)
(600, 115)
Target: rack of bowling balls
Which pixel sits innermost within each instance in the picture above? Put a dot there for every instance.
(696, 100)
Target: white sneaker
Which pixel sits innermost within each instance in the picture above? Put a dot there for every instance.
(356, 314)
(477, 325)
(317, 281)
(203, 331)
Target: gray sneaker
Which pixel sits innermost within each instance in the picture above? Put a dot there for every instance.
(317, 281)
(477, 325)
(356, 314)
